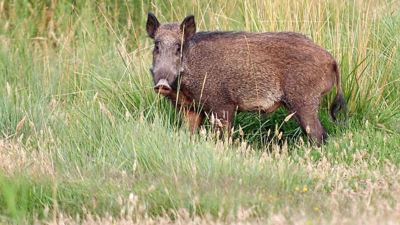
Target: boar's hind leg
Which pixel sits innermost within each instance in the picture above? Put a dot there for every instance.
(310, 124)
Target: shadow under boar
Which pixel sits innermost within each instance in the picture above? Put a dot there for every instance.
(221, 72)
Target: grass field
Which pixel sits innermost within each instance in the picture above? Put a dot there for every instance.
(84, 139)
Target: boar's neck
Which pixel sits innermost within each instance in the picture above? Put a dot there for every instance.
(208, 35)
(180, 97)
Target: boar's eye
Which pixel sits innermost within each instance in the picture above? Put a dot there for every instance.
(156, 48)
(178, 49)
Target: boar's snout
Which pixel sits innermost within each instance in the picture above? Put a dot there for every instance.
(162, 87)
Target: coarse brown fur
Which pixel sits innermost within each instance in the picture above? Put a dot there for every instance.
(223, 72)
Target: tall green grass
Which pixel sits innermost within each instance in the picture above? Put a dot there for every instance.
(82, 129)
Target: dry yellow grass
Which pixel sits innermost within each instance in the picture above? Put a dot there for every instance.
(17, 159)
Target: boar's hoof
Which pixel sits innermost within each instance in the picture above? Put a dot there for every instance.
(162, 87)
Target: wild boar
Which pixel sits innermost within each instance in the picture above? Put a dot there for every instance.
(221, 72)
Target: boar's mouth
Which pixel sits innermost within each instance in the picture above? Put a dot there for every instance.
(162, 87)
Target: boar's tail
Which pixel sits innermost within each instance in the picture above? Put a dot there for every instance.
(338, 104)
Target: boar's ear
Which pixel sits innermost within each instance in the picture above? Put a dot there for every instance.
(188, 26)
(152, 25)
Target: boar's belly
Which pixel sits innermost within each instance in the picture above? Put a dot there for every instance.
(264, 105)
(266, 100)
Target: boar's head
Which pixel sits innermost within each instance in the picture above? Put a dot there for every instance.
(167, 54)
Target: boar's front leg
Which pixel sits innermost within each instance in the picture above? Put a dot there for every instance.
(193, 119)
